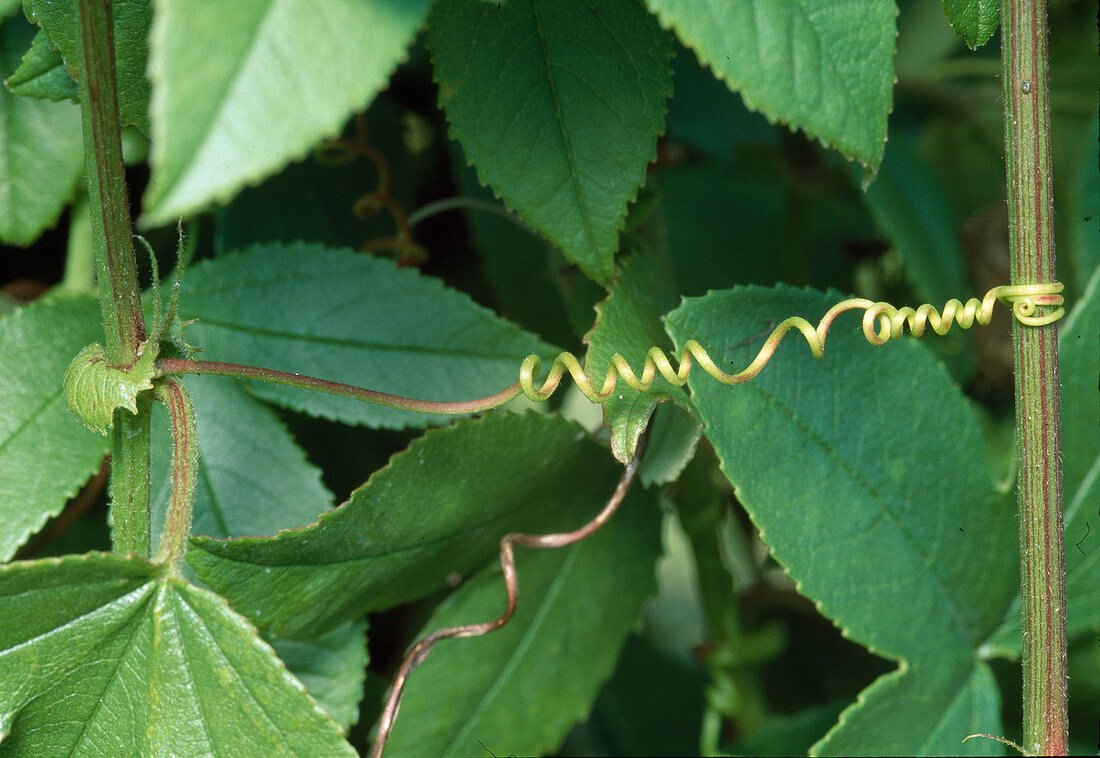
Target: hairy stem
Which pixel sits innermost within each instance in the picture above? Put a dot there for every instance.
(116, 268)
(119, 297)
(185, 462)
(179, 366)
(1031, 241)
(130, 525)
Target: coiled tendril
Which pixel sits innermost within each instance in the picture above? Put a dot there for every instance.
(881, 323)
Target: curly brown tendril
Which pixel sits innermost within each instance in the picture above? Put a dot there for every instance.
(341, 150)
(420, 650)
(881, 323)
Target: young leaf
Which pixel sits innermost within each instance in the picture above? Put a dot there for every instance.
(817, 65)
(42, 73)
(552, 657)
(866, 476)
(332, 667)
(1078, 367)
(45, 453)
(439, 508)
(629, 322)
(252, 477)
(558, 105)
(130, 21)
(41, 156)
(351, 318)
(84, 639)
(223, 71)
(974, 20)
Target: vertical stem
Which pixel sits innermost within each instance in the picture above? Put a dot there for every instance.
(130, 527)
(1031, 240)
(185, 462)
(116, 268)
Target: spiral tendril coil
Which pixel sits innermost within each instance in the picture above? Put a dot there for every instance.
(1032, 305)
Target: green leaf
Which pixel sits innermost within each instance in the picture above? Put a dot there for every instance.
(352, 318)
(550, 660)
(817, 65)
(1078, 367)
(84, 639)
(628, 322)
(130, 22)
(974, 20)
(45, 453)
(42, 73)
(41, 155)
(439, 508)
(332, 667)
(558, 105)
(225, 73)
(866, 476)
(706, 115)
(673, 436)
(252, 477)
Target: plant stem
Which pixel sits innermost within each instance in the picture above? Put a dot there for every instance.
(116, 268)
(185, 463)
(1031, 240)
(130, 527)
(119, 297)
(180, 366)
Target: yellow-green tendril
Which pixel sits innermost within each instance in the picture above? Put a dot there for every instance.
(881, 323)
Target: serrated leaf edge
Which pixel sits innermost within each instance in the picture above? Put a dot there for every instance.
(603, 277)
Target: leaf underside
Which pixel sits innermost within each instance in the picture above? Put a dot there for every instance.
(817, 65)
(86, 638)
(221, 118)
(45, 453)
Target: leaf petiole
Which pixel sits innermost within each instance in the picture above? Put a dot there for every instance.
(172, 366)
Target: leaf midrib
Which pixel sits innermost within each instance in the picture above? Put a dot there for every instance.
(560, 121)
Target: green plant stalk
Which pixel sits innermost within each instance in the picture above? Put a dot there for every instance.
(185, 464)
(116, 269)
(1031, 243)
